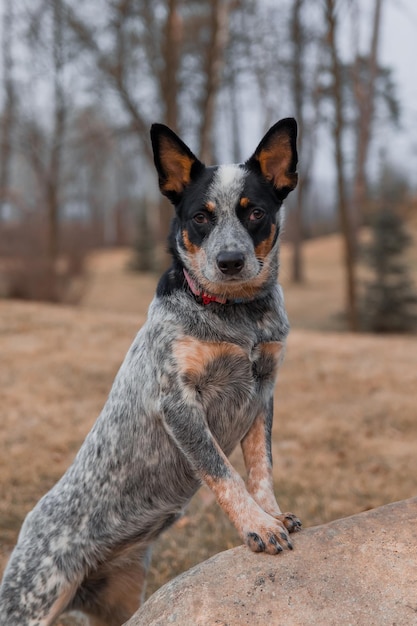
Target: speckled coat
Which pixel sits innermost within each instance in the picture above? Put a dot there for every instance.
(197, 381)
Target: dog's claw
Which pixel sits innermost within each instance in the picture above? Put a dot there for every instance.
(255, 543)
(290, 521)
(273, 539)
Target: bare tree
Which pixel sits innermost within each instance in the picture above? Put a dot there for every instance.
(9, 111)
(171, 56)
(157, 52)
(364, 88)
(44, 150)
(298, 87)
(303, 71)
(54, 166)
(338, 129)
(215, 56)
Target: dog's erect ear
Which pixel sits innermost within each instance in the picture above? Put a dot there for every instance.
(174, 161)
(276, 156)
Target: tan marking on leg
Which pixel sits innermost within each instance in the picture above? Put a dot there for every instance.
(60, 605)
(260, 481)
(273, 348)
(193, 355)
(254, 445)
(124, 576)
(260, 531)
(231, 494)
(271, 354)
(124, 591)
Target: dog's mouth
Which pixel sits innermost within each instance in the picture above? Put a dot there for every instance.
(236, 285)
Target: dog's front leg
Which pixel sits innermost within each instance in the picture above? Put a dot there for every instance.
(256, 447)
(187, 426)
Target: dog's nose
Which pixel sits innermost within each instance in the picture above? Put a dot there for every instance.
(230, 262)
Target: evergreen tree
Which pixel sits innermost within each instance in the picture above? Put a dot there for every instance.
(390, 299)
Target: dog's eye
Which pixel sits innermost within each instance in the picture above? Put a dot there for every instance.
(257, 214)
(200, 218)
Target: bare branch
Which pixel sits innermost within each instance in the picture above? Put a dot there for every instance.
(115, 75)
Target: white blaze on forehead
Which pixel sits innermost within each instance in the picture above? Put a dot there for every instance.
(228, 175)
(227, 187)
(225, 192)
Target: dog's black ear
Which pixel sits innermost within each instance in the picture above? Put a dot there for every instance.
(174, 161)
(276, 156)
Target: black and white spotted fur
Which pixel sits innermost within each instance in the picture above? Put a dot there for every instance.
(197, 381)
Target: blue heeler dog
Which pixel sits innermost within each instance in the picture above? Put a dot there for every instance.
(197, 380)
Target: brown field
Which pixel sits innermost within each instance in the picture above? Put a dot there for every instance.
(345, 431)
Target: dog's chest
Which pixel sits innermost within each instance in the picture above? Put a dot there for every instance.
(232, 384)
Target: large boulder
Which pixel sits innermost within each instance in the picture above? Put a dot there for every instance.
(361, 570)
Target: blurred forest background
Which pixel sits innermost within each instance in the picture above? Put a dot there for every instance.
(81, 83)
(82, 223)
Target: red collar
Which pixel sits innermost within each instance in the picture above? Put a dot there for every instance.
(206, 298)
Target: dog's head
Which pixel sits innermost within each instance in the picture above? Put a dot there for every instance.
(228, 218)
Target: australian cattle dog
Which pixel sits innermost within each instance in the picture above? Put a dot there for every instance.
(198, 380)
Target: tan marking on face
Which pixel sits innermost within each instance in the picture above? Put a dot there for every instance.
(230, 290)
(210, 206)
(244, 202)
(189, 246)
(275, 161)
(264, 248)
(176, 165)
(193, 356)
(247, 290)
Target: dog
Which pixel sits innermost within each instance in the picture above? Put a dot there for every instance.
(198, 380)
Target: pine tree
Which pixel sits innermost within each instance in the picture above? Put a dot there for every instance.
(390, 299)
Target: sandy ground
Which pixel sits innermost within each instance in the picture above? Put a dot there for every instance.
(345, 431)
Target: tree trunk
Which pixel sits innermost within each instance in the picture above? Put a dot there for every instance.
(9, 106)
(338, 128)
(171, 51)
(219, 27)
(169, 82)
(364, 90)
(298, 96)
(54, 170)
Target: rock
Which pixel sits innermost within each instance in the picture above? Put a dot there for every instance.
(361, 570)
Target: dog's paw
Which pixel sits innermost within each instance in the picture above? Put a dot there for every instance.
(290, 521)
(271, 537)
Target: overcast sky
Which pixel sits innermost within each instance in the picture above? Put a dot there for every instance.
(399, 50)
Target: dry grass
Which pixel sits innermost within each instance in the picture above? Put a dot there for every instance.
(345, 429)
